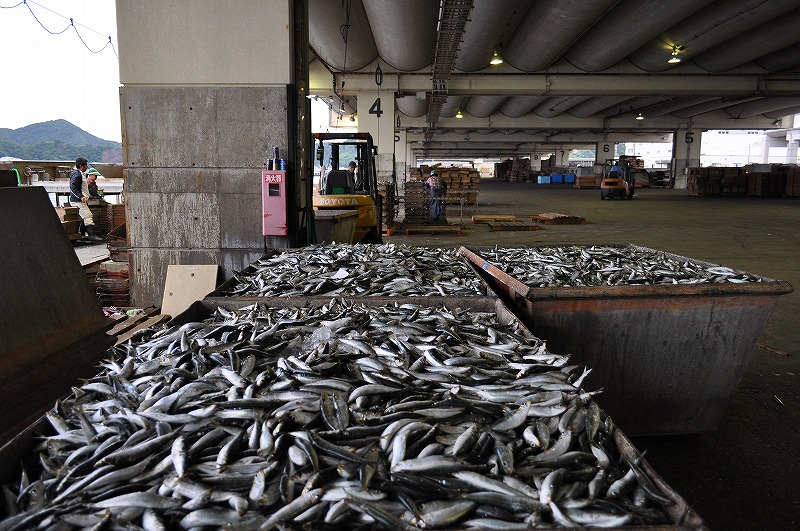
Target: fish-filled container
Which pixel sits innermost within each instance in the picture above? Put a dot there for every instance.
(344, 415)
(386, 271)
(668, 338)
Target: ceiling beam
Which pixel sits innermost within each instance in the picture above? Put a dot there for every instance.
(711, 120)
(625, 84)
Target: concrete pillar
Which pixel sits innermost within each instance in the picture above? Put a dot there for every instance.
(792, 144)
(376, 115)
(771, 142)
(208, 89)
(400, 155)
(603, 151)
(685, 154)
(536, 161)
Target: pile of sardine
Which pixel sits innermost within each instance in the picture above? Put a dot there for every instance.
(579, 266)
(346, 416)
(361, 269)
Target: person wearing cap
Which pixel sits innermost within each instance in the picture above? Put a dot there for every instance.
(81, 187)
(435, 186)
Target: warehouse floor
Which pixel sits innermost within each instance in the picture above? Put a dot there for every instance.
(743, 475)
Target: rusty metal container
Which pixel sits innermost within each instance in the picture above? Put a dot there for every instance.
(681, 515)
(668, 357)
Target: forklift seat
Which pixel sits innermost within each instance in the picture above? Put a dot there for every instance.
(339, 182)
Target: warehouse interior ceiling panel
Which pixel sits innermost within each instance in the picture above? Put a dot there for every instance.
(574, 71)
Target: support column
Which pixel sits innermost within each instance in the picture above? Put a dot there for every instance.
(792, 144)
(208, 90)
(536, 161)
(771, 142)
(376, 115)
(603, 151)
(685, 154)
(400, 156)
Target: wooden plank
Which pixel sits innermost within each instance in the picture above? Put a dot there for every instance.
(433, 229)
(485, 218)
(128, 322)
(554, 218)
(512, 225)
(186, 284)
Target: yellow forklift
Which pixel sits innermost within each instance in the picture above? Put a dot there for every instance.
(340, 190)
(617, 179)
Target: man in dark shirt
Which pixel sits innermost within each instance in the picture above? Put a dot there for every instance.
(79, 194)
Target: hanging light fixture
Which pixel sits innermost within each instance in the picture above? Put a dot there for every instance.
(675, 51)
(639, 116)
(496, 59)
(458, 114)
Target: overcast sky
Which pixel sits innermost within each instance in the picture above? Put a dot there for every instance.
(47, 77)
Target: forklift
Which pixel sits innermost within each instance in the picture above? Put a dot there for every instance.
(340, 190)
(618, 180)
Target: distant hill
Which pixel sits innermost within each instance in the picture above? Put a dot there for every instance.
(54, 130)
(57, 140)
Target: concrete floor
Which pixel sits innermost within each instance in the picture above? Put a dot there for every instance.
(741, 476)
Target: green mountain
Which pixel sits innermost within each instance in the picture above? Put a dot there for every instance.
(54, 130)
(57, 140)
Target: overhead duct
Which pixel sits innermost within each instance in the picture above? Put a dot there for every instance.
(517, 106)
(746, 110)
(484, 106)
(595, 105)
(490, 24)
(784, 59)
(625, 28)
(751, 45)
(555, 106)
(548, 29)
(707, 28)
(404, 31)
(326, 21)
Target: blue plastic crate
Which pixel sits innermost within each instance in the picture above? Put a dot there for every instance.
(556, 178)
(569, 177)
(543, 179)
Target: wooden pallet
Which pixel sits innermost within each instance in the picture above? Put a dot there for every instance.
(554, 218)
(433, 229)
(512, 225)
(486, 218)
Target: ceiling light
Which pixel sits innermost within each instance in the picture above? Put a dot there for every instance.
(639, 116)
(458, 114)
(496, 59)
(675, 51)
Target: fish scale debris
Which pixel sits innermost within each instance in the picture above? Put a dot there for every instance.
(363, 417)
(362, 269)
(598, 265)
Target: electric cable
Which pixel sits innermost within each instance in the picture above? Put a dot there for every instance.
(72, 24)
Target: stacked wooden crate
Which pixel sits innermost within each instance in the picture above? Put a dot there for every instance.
(704, 181)
(734, 182)
(588, 181)
(461, 182)
(388, 202)
(115, 215)
(416, 202)
(793, 183)
(767, 184)
(113, 286)
(99, 209)
(70, 220)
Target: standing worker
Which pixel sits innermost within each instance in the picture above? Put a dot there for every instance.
(435, 186)
(81, 187)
